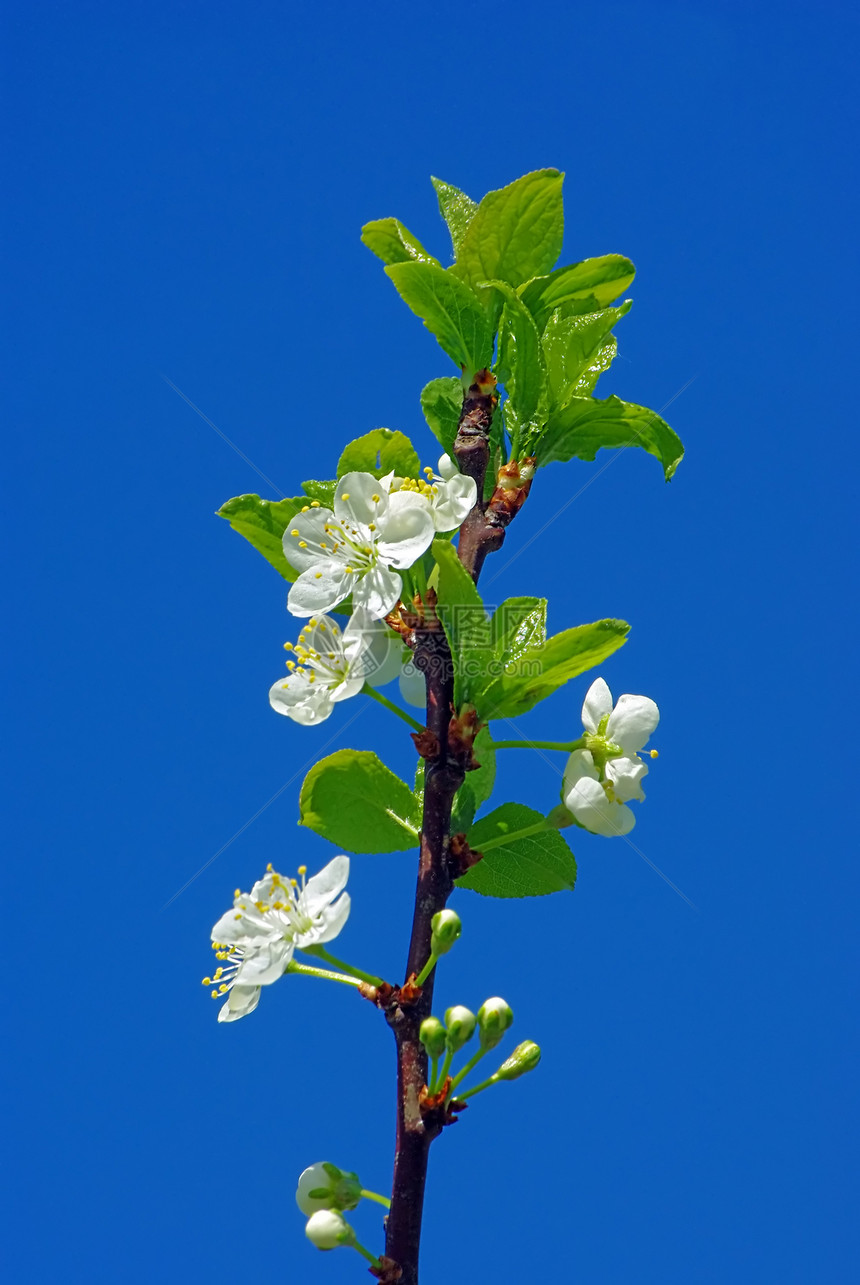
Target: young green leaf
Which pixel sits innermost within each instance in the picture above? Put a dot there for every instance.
(586, 424)
(456, 208)
(478, 785)
(515, 233)
(391, 242)
(321, 491)
(449, 309)
(378, 452)
(579, 287)
(525, 866)
(262, 523)
(464, 620)
(574, 347)
(520, 365)
(541, 669)
(518, 625)
(353, 800)
(442, 404)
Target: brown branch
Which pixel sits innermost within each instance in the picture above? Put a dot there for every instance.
(446, 748)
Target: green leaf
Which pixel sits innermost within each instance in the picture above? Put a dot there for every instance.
(442, 404)
(541, 669)
(531, 866)
(449, 309)
(262, 523)
(577, 350)
(354, 801)
(321, 491)
(456, 208)
(593, 284)
(391, 242)
(586, 424)
(378, 452)
(464, 620)
(478, 785)
(520, 365)
(518, 625)
(515, 233)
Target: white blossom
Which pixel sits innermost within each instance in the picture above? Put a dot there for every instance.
(449, 494)
(332, 664)
(604, 776)
(358, 548)
(328, 1230)
(257, 938)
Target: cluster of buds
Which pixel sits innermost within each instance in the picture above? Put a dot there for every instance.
(324, 1193)
(446, 1039)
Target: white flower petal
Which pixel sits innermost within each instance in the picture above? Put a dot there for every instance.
(265, 964)
(333, 919)
(309, 530)
(241, 1001)
(313, 1179)
(354, 500)
(597, 704)
(320, 590)
(372, 650)
(454, 502)
(305, 702)
(588, 802)
(322, 888)
(633, 720)
(413, 688)
(243, 927)
(407, 530)
(378, 591)
(626, 776)
(579, 765)
(447, 468)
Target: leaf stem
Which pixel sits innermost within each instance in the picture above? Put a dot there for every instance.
(540, 827)
(567, 746)
(306, 971)
(367, 690)
(321, 953)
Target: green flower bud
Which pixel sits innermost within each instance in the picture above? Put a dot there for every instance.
(525, 1057)
(327, 1230)
(494, 1018)
(461, 1027)
(433, 1035)
(446, 929)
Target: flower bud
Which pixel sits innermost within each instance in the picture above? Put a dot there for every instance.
(494, 1018)
(324, 1186)
(446, 929)
(327, 1230)
(525, 1057)
(433, 1035)
(461, 1027)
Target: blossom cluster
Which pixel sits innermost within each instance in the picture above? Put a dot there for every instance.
(377, 529)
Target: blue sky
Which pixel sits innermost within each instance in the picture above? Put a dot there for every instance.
(187, 186)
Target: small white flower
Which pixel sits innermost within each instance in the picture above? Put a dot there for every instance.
(602, 778)
(357, 549)
(333, 664)
(449, 495)
(257, 938)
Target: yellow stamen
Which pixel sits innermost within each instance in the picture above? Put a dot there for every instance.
(315, 504)
(654, 754)
(345, 495)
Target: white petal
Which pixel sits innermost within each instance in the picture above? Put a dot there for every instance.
(413, 688)
(579, 765)
(333, 919)
(322, 633)
(447, 468)
(407, 530)
(241, 1001)
(372, 650)
(377, 591)
(243, 927)
(312, 1179)
(320, 590)
(265, 965)
(597, 704)
(588, 802)
(632, 721)
(454, 502)
(302, 701)
(322, 888)
(626, 776)
(354, 500)
(310, 531)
